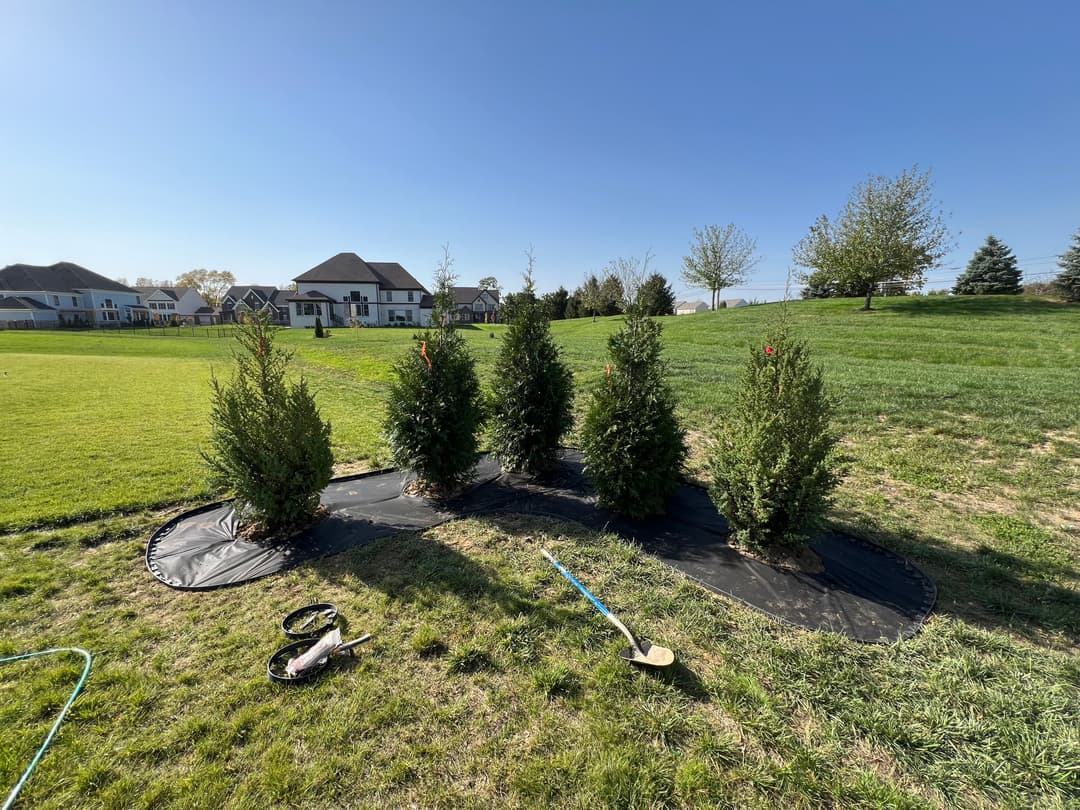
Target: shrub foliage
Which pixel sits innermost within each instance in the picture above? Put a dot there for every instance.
(435, 411)
(533, 391)
(634, 447)
(770, 464)
(268, 443)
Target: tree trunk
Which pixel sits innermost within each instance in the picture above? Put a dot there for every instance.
(869, 293)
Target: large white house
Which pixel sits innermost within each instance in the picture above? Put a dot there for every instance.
(182, 304)
(346, 290)
(65, 294)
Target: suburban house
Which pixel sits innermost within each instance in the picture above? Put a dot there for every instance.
(65, 294)
(474, 305)
(181, 304)
(345, 290)
(251, 298)
(690, 307)
(734, 303)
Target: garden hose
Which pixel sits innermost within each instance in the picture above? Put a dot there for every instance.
(59, 719)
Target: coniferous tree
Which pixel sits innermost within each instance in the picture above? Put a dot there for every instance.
(318, 327)
(634, 447)
(268, 443)
(533, 389)
(655, 296)
(435, 409)
(770, 464)
(992, 271)
(1067, 282)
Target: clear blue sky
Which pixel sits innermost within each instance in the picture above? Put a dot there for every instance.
(150, 138)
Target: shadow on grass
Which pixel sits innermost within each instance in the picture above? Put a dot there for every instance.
(972, 305)
(417, 568)
(992, 588)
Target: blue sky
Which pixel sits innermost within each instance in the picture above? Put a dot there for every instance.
(147, 139)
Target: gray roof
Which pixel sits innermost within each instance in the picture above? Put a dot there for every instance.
(691, 304)
(310, 295)
(392, 276)
(464, 296)
(239, 292)
(62, 277)
(344, 267)
(427, 301)
(280, 298)
(175, 293)
(20, 302)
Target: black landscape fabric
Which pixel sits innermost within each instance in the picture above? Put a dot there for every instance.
(863, 591)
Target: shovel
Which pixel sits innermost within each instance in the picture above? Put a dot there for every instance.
(640, 652)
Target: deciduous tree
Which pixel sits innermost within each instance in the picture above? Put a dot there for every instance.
(890, 229)
(211, 284)
(719, 258)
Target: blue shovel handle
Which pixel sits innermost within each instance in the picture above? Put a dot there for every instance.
(573, 581)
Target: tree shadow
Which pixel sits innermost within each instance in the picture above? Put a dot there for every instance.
(952, 305)
(415, 568)
(991, 588)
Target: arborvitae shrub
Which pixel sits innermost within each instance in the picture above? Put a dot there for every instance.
(435, 411)
(533, 391)
(318, 327)
(268, 443)
(634, 447)
(770, 464)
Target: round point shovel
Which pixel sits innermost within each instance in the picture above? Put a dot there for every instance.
(640, 652)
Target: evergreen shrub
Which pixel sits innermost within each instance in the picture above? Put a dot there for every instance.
(771, 462)
(533, 391)
(268, 443)
(634, 447)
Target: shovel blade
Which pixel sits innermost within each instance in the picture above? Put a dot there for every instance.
(651, 655)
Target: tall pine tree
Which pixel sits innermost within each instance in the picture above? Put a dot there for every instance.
(1067, 282)
(992, 271)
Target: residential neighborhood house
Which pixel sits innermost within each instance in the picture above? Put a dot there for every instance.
(345, 290)
(734, 303)
(475, 305)
(251, 298)
(183, 305)
(690, 307)
(65, 294)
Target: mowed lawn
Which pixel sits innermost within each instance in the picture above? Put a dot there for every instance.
(490, 682)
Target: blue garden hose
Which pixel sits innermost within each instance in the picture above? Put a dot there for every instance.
(59, 719)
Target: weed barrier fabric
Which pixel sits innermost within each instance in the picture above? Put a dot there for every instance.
(863, 591)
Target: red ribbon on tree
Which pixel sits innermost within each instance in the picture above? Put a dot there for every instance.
(423, 353)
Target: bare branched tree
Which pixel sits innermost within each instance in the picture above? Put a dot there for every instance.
(719, 258)
(442, 310)
(631, 273)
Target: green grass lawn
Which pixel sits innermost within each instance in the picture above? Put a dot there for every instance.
(490, 682)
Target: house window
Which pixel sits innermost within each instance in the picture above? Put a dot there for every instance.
(354, 295)
(74, 301)
(309, 309)
(299, 308)
(389, 296)
(56, 300)
(108, 303)
(410, 296)
(170, 305)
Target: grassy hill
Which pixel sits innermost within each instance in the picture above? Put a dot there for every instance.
(489, 682)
